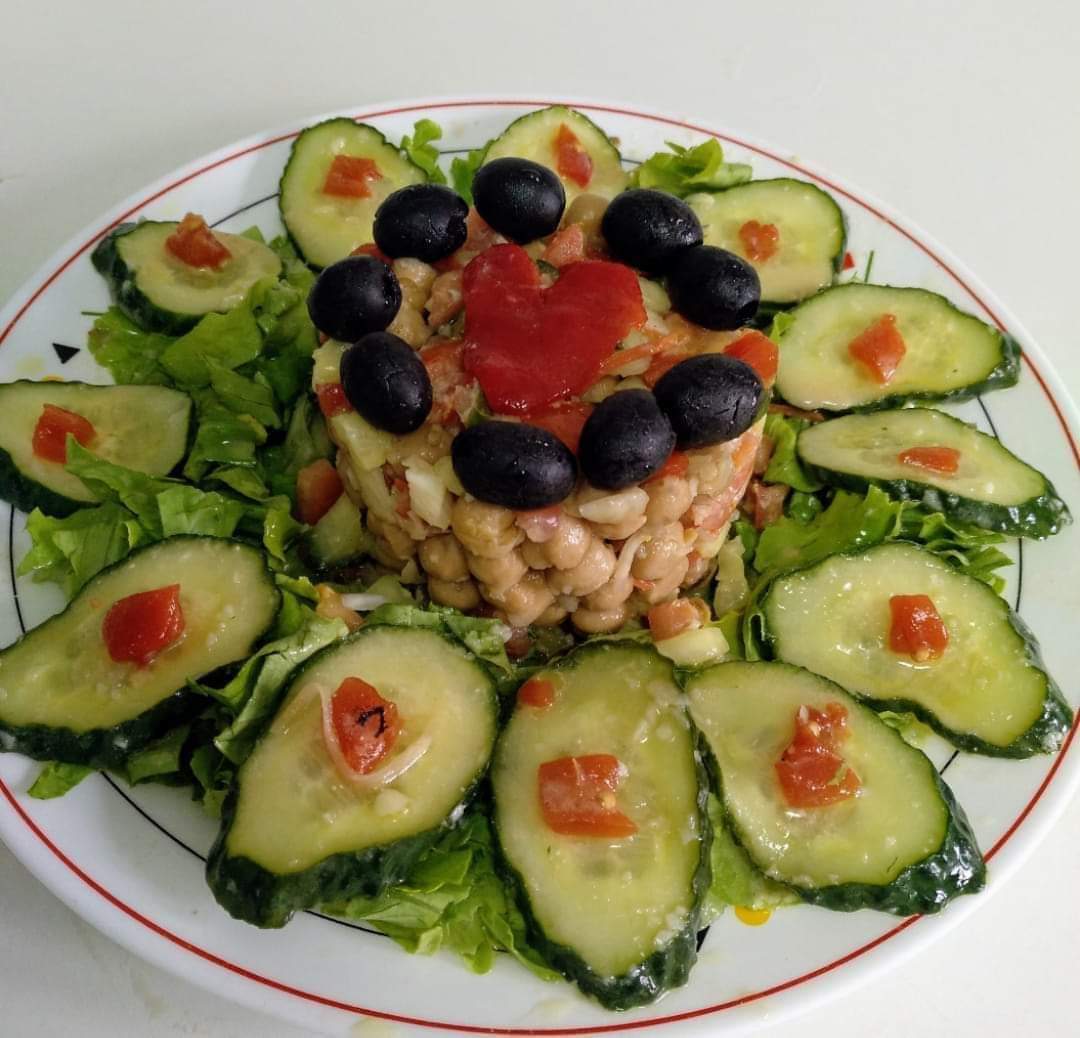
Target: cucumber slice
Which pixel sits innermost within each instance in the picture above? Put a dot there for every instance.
(533, 137)
(987, 694)
(120, 416)
(326, 228)
(63, 697)
(992, 488)
(339, 535)
(902, 845)
(296, 832)
(619, 917)
(950, 354)
(161, 293)
(811, 226)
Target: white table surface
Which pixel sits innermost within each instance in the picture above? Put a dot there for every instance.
(964, 116)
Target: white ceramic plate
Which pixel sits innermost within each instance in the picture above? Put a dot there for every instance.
(130, 861)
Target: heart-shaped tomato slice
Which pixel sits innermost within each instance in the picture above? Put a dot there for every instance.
(529, 346)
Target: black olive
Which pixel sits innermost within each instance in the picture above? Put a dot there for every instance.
(625, 440)
(422, 220)
(514, 465)
(387, 382)
(354, 296)
(648, 229)
(714, 288)
(520, 199)
(710, 399)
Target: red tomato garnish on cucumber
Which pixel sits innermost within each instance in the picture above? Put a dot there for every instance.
(760, 241)
(943, 460)
(332, 399)
(879, 349)
(318, 486)
(536, 692)
(811, 771)
(759, 352)
(572, 160)
(577, 796)
(53, 428)
(917, 629)
(350, 177)
(140, 627)
(196, 245)
(565, 420)
(529, 346)
(365, 725)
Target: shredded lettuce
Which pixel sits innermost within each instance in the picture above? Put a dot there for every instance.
(784, 466)
(422, 152)
(160, 760)
(462, 171)
(682, 171)
(55, 779)
(230, 339)
(131, 355)
(971, 549)
(485, 638)
(455, 900)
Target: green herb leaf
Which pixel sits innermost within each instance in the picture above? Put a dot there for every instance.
(682, 171)
(55, 779)
(784, 465)
(422, 152)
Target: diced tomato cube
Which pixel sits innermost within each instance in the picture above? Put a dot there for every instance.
(572, 160)
(760, 241)
(53, 428)
(880, 349)
(577, 796)
(766, 502)
(537, 692)
(661, 364)
(917, 629)
(811, 771)
(371, 249)
(350, 176)
(138, 628)
(943, 460)
(671, 618)
(332, 399)
(849, 261)
(196, 245)
(759, 352)
(566, 246)
(364, 724)
(318, 486)
(677, 464)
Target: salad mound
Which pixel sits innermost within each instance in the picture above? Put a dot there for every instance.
(540, 562)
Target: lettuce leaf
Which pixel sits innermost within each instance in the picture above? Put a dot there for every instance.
(462, 171)
(422, 152)
(55, 779)
(682, 171)
(160, 759)
(784, 466)
(971, 549)
(130, 355)
(454, 900)
(484, 638)
(230, 339)
(244, 396)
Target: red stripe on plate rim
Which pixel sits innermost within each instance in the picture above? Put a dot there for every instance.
(472, 1028)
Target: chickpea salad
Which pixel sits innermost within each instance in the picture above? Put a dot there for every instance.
(532, 552)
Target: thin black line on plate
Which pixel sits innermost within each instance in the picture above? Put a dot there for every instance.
(945, 767)
(1019, 540)
(243, 209)
(11, 568)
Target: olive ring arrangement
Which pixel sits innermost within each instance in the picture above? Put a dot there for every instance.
(594, 529)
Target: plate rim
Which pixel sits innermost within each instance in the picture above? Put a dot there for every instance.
(121, 927)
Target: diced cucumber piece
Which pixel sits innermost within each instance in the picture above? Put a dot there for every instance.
(296, 832)
(902, 844)
(160, 292)
(63, 697)
(992, 487)
(987, 693)
(950, 355)
(811, 230)
(120, 416)
(339, 535)
(533, 137)
(618, 917)
(326, 227)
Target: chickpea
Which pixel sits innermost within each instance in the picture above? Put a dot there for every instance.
(592, 621)
(669, 498)
(524, 601)
(619, 531)
(611, 507)
(657, 556)
(446, 299)
(460, 594)
(552, 616)
(498, 574)
(611, 595)
(667, 585)
(399, 542)
(590, 574)
(416, 278)
(485, 530)
(698, 570)
(568, 547)
(384, 554)
(534, 556)
(409, 324)
(443, 558)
